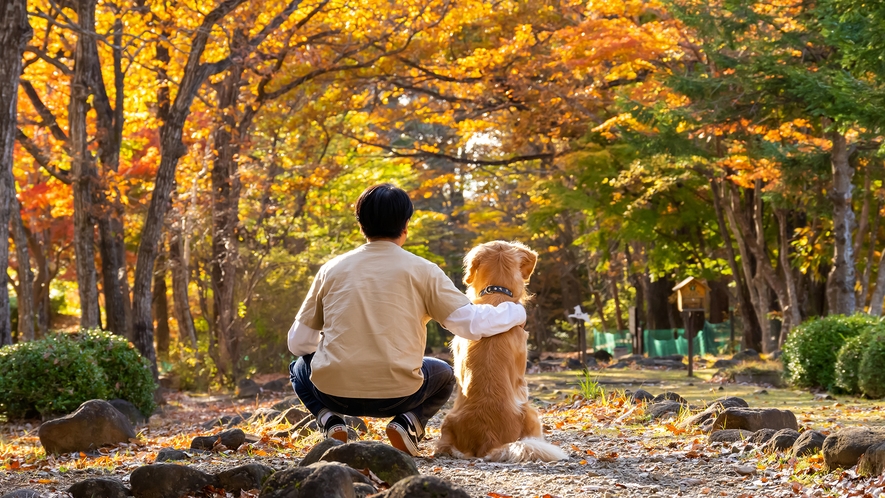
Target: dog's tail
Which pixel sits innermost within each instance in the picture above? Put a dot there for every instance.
(526, 450)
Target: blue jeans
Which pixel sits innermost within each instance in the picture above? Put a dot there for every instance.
(439, 382)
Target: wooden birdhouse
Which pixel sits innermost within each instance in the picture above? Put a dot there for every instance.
(691, 295)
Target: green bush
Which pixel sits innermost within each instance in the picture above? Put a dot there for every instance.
(52, 375)
(848, 362)
(129, 374)
(871, 374)
(57, 374)
(809, 353)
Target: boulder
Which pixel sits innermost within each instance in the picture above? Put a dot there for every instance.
(287, 403)
(237, 420)
(730, 436)
(642, 396)
(762, 436)
(873, 461)
(713, 410)
(99, 486)
(281, 385)
(167, 480)
(753, 419)
(94, 424)
(424, 487)
(572, 364)
(243, 478)
(670, 396)
(808, 442)
(318, 450)
(363, 490)
(844, 448)
(781, 440)
(23, 493)
(602, 356)
(664, 409)
(231, 439)
(319, 480)
(171, 455)
(291, 415)
(248, 388)
(707, 426)
(725, 363)
(132, 413)
(387, 462)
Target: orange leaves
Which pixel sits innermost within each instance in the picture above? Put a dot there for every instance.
(674, 429)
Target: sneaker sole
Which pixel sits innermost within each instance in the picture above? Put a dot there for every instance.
(338, 432)
(400, 440)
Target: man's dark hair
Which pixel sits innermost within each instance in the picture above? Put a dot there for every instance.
(383, 211)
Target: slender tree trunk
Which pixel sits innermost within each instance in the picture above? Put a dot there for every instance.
(840, 283)
(752, 332)
(871, 250)
(879, 290)
(41, 281)
(83, 172)
(179, 265)
(619, 319)
(161, 309)
(25, 276)
(791, 313)
(733, 210)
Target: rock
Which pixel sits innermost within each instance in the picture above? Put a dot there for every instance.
(318, 450)
(670, 396)
(707, 425)
(753, 419)
(237, 420)
(292, 415)
(243, 478)
(356, 423)
(363, 490)
(844, 448)
(730, 436)
(99, 486)
(781, 440)
(714, 409)
(761, 392)
(572, 364)
(602, 356)
(808, 442)
(770, 378)
(745, 470)
(776, 355)
(128, 409)
(231, 439)
(318, 480)
(94, 424)
(23, 493)
(281, 385)
(823, 397)
(262, 415)
(287, 403)
(387, 462)
(171, 455)
(248, 388)
(746, 355)
(424, 487)
(873, 461)
(219, 422)
(762, 436)
(167, 480)
(665, 408)
(725, 363)
(620, 364)
(641, 395)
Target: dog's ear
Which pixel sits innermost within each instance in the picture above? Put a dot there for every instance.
(471, 263)
(529, 259)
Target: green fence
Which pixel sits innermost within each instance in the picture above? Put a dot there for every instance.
(712, 339)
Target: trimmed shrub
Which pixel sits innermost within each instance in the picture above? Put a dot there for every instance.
(871, 374)
(809, 353)
(57, 374)
(129, 374)
(848, 363)
(49, 376)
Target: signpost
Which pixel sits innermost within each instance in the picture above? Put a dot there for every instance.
(691, 299)
(580, 317)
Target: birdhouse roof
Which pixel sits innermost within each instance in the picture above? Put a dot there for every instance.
(688, 281)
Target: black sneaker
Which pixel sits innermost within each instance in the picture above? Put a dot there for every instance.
(335, 428)
(404, 432)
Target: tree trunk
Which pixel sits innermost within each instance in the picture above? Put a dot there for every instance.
(161, 309)
(619, 319)
(83, 171)
(657, 300)
(25, 276)
(733, 211)
(225, 220)
(871, 250)
(41, 280)
(792, 317)
(180, 270)
(840, 283)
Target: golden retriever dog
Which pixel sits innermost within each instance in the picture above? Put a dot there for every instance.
(492, 417)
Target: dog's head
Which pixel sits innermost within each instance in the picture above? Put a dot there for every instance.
(506, 264)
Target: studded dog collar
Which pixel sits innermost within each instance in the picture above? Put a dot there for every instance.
(496, 288)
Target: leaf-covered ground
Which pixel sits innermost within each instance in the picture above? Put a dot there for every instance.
(615, 450)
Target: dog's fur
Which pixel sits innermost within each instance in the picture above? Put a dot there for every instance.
(492, 417)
